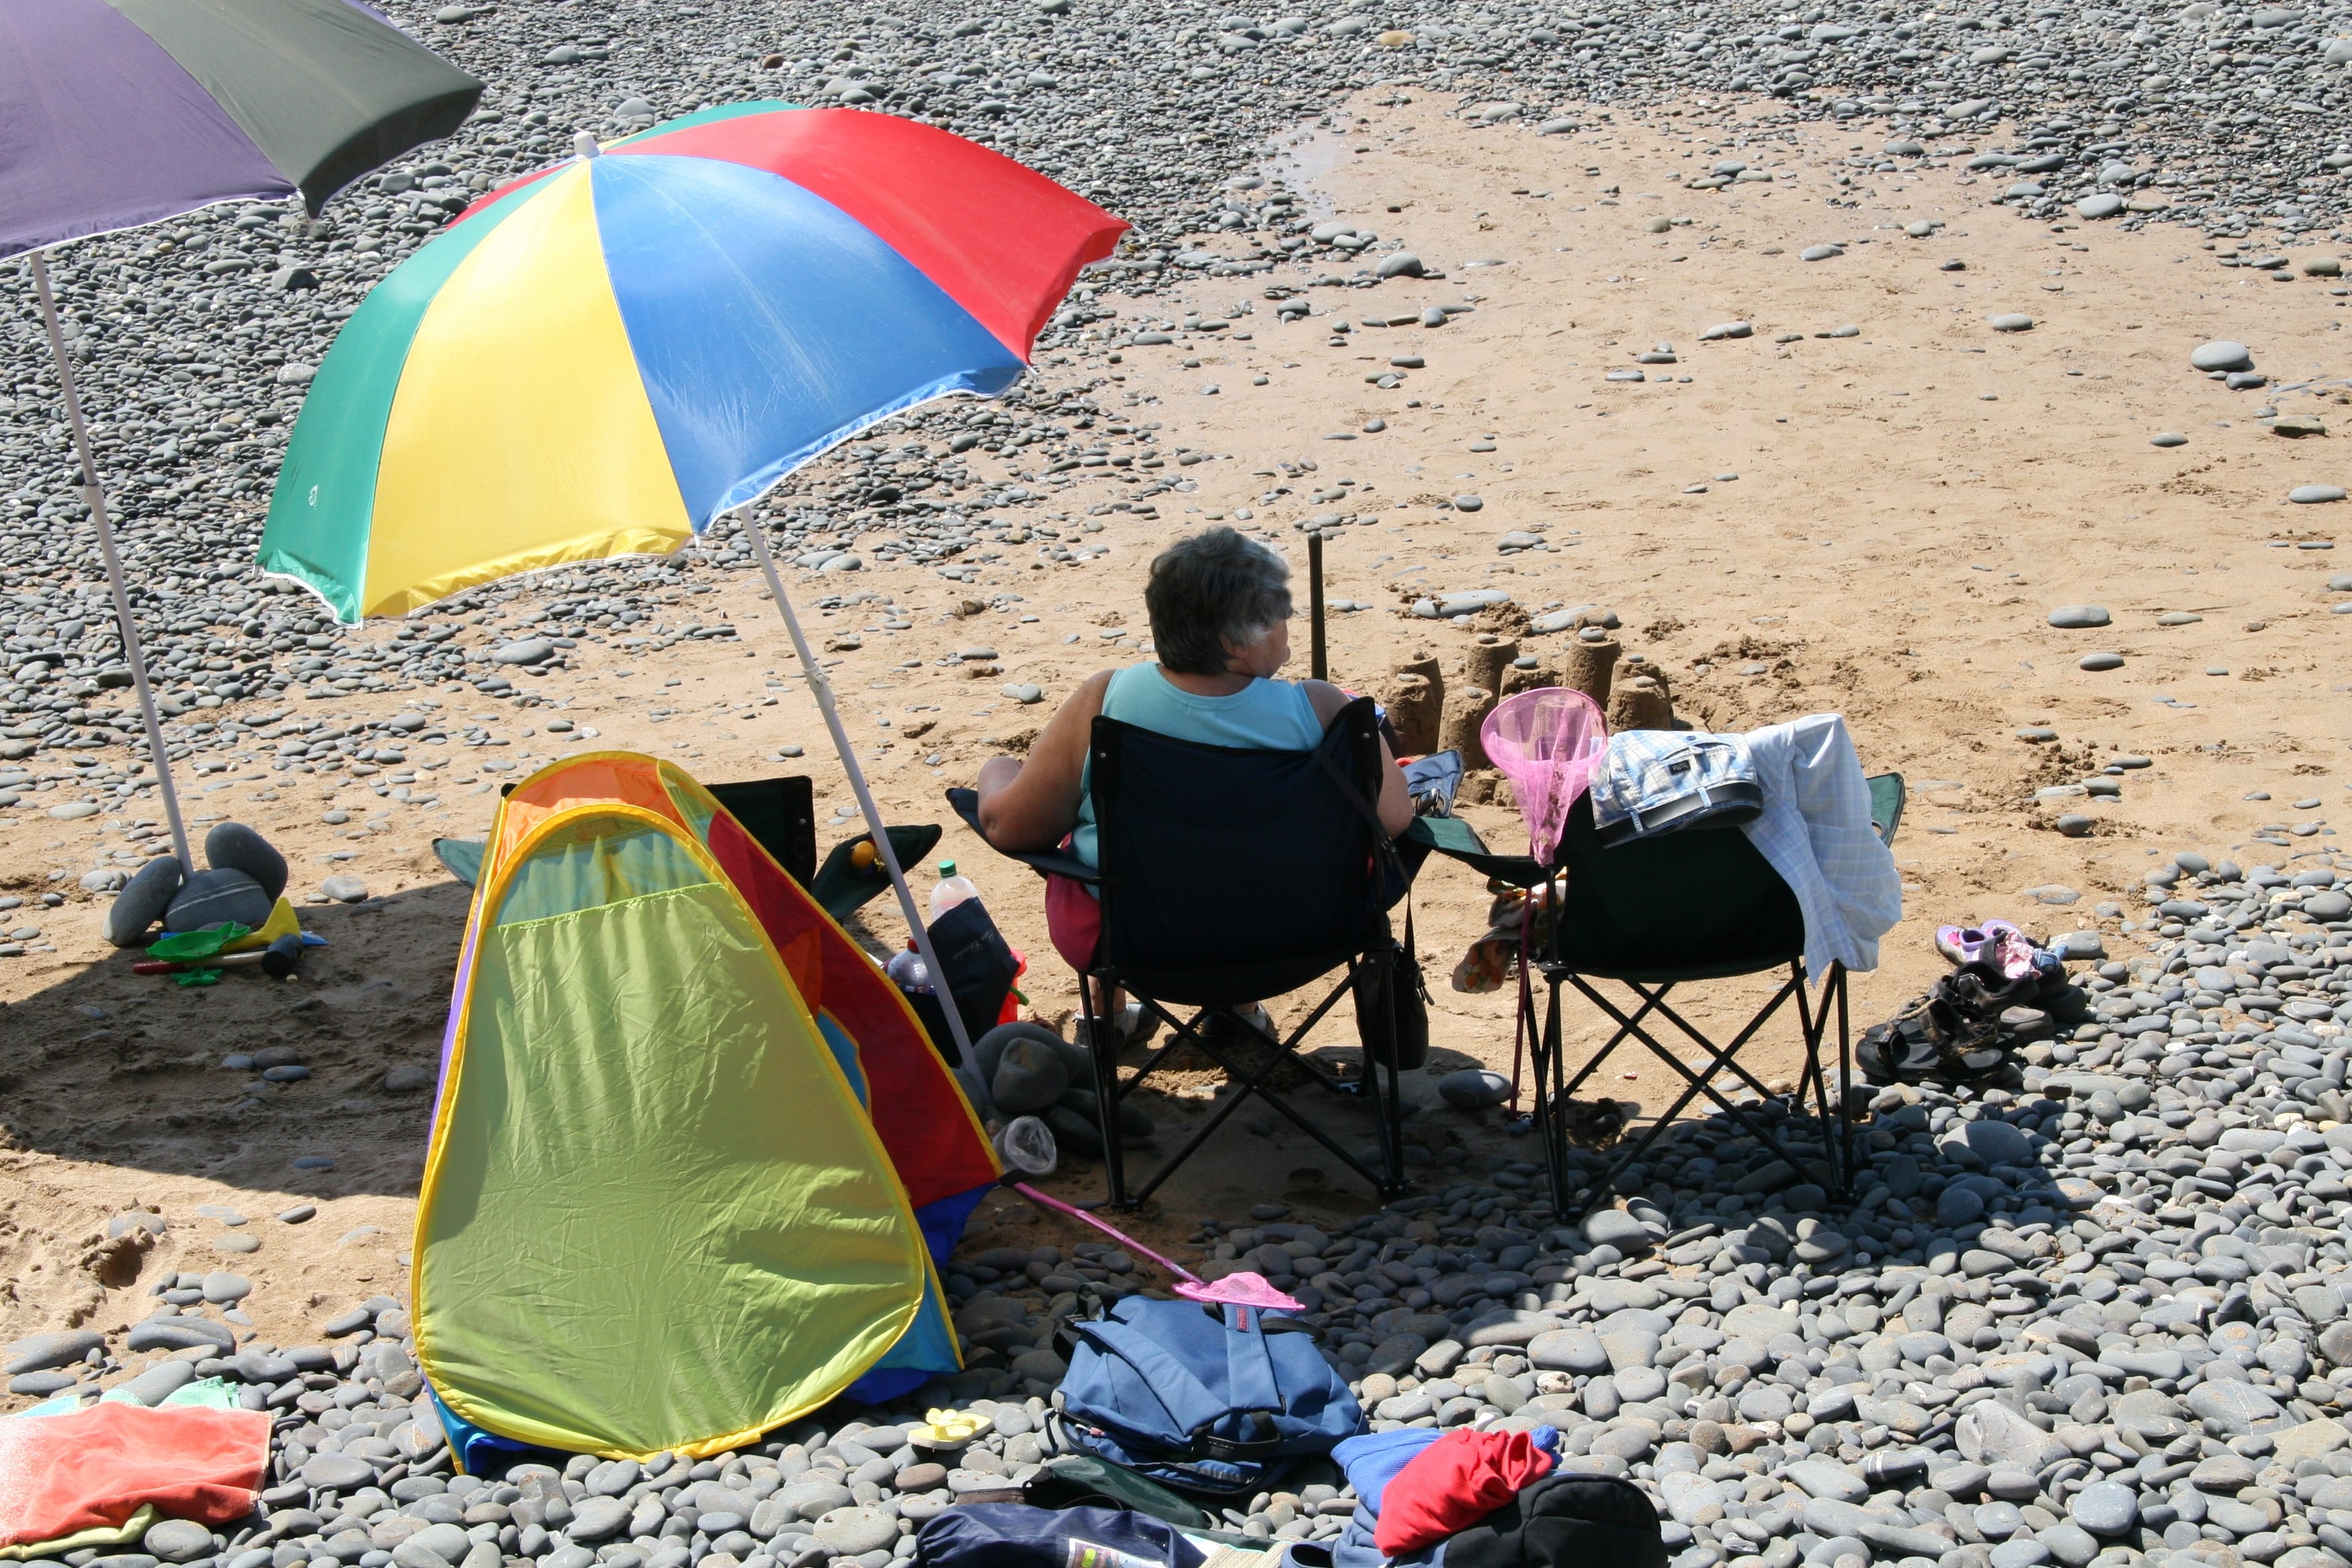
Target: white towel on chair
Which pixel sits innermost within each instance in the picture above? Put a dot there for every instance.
(1816, 831)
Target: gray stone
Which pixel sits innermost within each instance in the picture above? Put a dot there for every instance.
(226, 1289)
(158, 1382)
(1992, 1433)
(231, 846)
(2106, 1507)
(2314, 495)
(179, 1334)
(814, 1500)
(2103, 204)
(2223, 354)
(2012, 322)
(2078, 617)
(2070, 1543)
(210, 896)
(597, 1518)
(2167, 438)
(612, 1478)
(1994, 1142)
(1824, 1479)
(44, 1352)
(1568, 1350)
(339, 1472)
(528, 650)
(1615, 1227)
(1474, 1088)
(2098, 663)
(177, 1540)
(344, 889)
(435, 1546)
(852, 1531)
(2232, 1409)
(142, 901)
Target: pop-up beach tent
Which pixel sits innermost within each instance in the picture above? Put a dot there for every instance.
(693, 1160)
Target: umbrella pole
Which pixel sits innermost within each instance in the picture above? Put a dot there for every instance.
(822, 690)
(94, 494)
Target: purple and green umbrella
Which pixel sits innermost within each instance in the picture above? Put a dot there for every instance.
(115, 113)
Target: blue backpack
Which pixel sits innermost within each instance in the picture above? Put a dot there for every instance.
(1206, 1399)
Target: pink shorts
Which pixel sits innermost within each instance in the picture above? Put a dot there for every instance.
(1074, 919)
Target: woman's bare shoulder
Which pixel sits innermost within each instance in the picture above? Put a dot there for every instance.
(1326, 698)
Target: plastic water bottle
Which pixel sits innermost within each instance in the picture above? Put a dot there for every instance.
(908, 973)
(952, 890)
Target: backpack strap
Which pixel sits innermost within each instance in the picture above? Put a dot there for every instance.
(1251, 1383)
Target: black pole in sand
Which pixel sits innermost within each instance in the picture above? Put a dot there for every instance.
(1316, 664)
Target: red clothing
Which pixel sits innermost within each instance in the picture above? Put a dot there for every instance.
(59, 1474)
(1453, 1484)
(1074, 919)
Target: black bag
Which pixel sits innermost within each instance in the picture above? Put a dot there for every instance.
(1393, 977)
(1567, 1520)
(1015, 1535)
(979, 974)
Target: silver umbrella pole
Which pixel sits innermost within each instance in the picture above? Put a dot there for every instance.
(822, 690)
(94, 494)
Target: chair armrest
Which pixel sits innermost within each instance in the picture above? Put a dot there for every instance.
(1456, 840)
(965, 804)
(1887, 797)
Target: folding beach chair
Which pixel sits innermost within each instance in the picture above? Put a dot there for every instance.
(1229, 876)
(1677, 910)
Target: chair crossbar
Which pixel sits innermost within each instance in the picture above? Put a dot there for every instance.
(1655, 1000)
(1554, 1088)
(1247, 1083)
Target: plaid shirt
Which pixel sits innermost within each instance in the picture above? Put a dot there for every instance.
(1816, 831)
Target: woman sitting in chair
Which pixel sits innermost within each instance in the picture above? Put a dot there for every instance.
(1220, 611)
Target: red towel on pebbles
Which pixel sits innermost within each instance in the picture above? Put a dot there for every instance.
(1453, 1484)
(59, 1474)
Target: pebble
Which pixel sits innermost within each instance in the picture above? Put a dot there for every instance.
(344, 889)
(2100, 661)
(2221, 354)
(1474, 1088)
(2010, 321)
(2302, 495)
(2078, 617)
(2169, 438)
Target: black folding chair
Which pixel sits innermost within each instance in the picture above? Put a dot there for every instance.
(1229, 876)
(1681, 908)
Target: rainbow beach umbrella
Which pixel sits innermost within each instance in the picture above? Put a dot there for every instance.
(601, 359)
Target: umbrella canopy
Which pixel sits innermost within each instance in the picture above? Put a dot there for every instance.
(120, 112)
(603, 358)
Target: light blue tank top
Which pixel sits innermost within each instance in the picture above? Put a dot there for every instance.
(1266, 715)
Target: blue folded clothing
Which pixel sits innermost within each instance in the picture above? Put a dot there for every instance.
(1374, 1459)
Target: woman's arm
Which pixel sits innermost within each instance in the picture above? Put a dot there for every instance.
(1395, 806)
(1028, 805)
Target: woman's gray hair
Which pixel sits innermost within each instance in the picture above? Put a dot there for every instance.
(1210, 591)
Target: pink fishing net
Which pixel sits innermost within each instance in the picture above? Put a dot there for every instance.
(1548, 742)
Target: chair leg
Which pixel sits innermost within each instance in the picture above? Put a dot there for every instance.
(1388, 1110)
(1102, 1045)
(1547, 1075)
(1845, 1075)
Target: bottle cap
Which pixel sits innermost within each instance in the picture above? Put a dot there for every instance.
(946, 868)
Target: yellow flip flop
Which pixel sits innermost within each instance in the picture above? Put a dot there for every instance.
(944, 1428)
